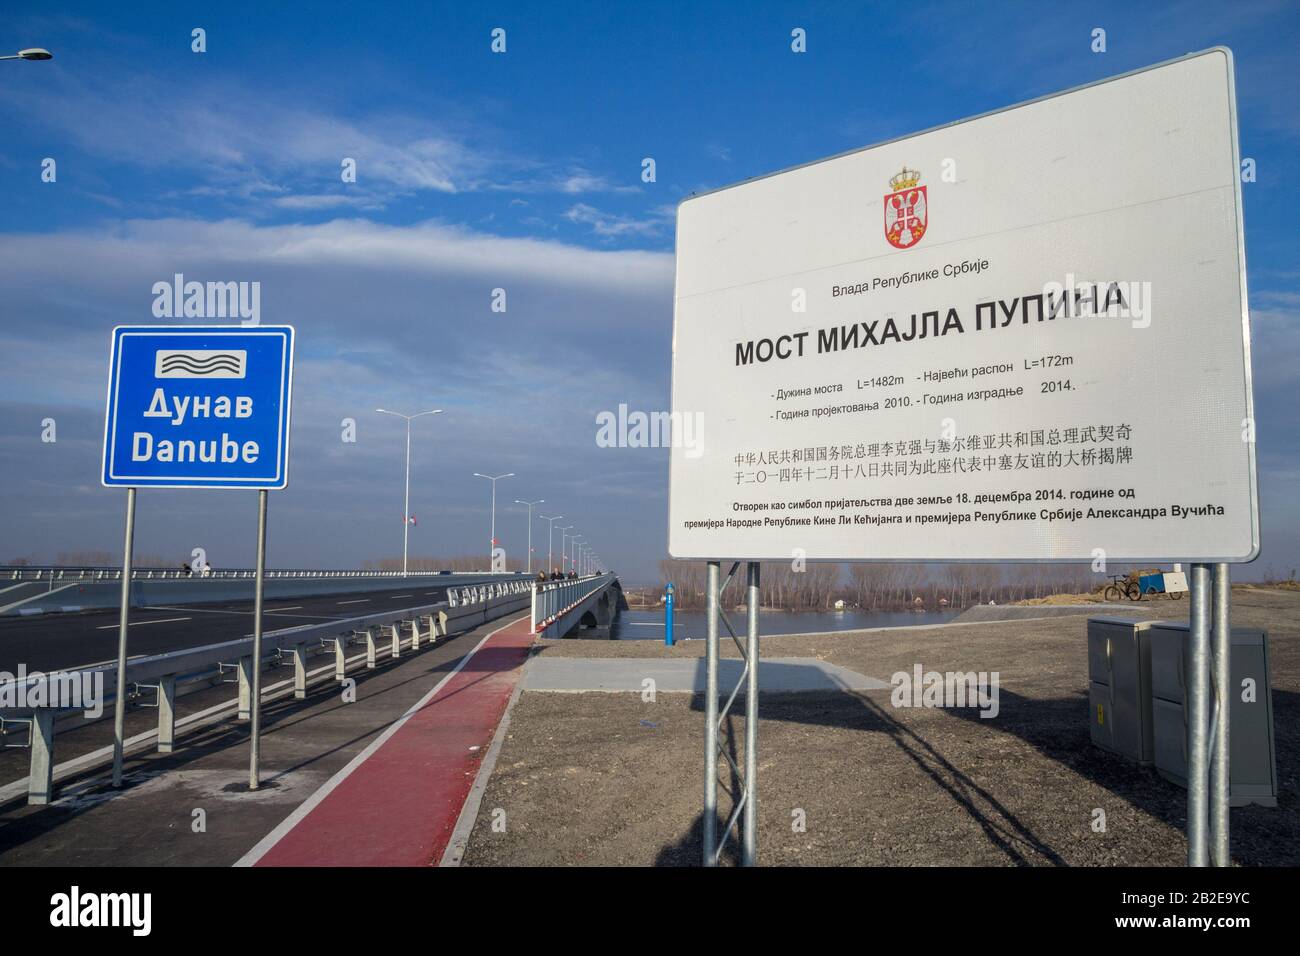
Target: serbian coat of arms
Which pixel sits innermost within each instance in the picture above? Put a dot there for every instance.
(906, 210)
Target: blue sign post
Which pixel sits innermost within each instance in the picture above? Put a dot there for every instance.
(668, 614)
(197, 407)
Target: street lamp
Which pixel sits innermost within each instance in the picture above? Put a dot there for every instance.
(406, 506)
(564, 528)
(530, 504)
(31, 53)
(573, 555)
(550, 527)
(494, 479)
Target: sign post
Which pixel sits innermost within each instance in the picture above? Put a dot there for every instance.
(123, 622)
(255, 709)
(1022, 337)
(668, 614)
(197, 407)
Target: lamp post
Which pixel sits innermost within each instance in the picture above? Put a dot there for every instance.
(494, 479)
(550, 527)
(573, 555)
(530, 504)
(406, 505)
(564, 528)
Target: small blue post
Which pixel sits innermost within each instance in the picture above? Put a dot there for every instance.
(668, 614)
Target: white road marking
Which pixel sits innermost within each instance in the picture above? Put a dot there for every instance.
(397, 597)
(111, 660)
(161, 620)
(358, 601)
(35, 597)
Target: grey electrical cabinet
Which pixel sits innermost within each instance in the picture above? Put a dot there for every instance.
(1252, 763)
(1119, 687)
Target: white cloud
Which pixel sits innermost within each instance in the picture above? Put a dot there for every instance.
(386, 315)
(613, 225)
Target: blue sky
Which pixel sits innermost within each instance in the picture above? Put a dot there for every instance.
(478, 171)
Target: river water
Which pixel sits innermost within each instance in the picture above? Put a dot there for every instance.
(649, 625)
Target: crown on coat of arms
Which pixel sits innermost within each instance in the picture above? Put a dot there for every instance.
(905, 179)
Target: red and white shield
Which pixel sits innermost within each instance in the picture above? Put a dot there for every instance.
(906, 216)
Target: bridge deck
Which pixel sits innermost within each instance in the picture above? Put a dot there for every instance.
(305, 746)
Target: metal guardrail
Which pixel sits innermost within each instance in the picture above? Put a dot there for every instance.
(161, 674)
(23, 573)
(554, 599)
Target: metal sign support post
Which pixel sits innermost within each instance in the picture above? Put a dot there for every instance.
(123, 621)
(1198, 719)
(1220, 751)
(743, 786)
(255, 704)
(751, 716)
(711, 718)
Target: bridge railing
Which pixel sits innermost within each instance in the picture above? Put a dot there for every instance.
(153, 681)
(69, 574)
(554, 599)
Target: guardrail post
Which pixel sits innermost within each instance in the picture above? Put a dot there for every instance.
(40, 786)
(340, 657)
(415, 633)
(245, 688)
(397, 640)
(300, 672)
(372, 652)
(167, 714)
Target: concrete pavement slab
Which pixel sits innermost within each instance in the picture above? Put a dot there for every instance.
(579, 675)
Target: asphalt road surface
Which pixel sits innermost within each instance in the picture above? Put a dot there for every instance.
(47, 642)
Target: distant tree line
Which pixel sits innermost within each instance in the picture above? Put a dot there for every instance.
(882, 586)
(466, 562)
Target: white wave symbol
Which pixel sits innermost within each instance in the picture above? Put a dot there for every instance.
(200, 363)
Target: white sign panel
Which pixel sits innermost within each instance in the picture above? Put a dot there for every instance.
(1019, 337)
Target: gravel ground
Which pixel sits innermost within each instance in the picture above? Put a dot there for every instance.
(610, 779)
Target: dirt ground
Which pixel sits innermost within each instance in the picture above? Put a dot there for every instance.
(609, 779)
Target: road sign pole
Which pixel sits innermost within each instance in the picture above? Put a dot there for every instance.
(406, 501)
(255, 705)
(123, 621)
(749, 856)
(710, 828)
(1198, 719)
(1220, 749)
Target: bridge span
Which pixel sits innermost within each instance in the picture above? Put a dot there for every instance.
(191, 651)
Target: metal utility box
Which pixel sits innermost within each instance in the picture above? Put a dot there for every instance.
(1119, 687)
(1252, 764)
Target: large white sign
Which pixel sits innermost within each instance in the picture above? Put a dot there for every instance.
(1019, 337)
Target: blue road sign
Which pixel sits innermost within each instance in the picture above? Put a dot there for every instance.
(199, 406)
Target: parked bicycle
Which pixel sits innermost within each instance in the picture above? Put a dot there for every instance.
(1121, 587)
